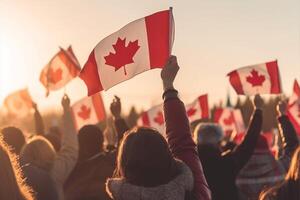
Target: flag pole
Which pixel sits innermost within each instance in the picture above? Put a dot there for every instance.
(171, 27)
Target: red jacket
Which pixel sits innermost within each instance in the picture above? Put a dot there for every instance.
(181, 143)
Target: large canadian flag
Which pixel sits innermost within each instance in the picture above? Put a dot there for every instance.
(139, 46)
(18, 104)
(198, 109)
(153, 118)
(61, 69)
(89, 110)
(294, 107)
(231, 121)
(256, 79)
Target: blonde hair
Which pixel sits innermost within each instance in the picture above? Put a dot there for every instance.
(39, 152)
(13, 186)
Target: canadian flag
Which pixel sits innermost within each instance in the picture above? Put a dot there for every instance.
(139, 46)
(61, 69)
(231, 121)
(89, 110)
(256, 79)
(198, 109)
(294, 107)
(153, 118)
(18, 104)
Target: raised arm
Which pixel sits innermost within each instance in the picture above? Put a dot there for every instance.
(39, 124)
(178, 130)
(67, 156)
(244, 151)
(287, 133)
(120, 124)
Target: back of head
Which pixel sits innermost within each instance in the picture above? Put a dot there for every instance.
(54, 136)
(208, 133)
(39, 152)
(12, 187)
(90, 140)
(14, 138)
(144, 158)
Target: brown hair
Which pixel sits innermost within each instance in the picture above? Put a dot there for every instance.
(144, 158)
(13, 186)
(289, 188)
(39, 152)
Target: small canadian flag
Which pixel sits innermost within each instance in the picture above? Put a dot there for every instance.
(139, 46)
(231, 121)
(61, 69)
(198, 109)
(89, 110)
(153, 118)
(294, 107)
(256, 79)
(19, 103)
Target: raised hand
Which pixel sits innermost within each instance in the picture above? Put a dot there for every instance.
(65, 101)
(258, 102)
(115, 107)
(169, 72)
(281, 107)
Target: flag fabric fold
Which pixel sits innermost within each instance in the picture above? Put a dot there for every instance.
(141, 45)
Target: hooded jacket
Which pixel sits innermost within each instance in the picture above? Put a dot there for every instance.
(263, 170)
(174, 190)
(181, 145)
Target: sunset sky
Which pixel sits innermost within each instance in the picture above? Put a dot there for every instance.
(212, 38)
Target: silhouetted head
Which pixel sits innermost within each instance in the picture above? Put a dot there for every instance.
(262, 145)
(208, 133)
(90, 140)
(144, 158)
(12, 187)
(14, 138)
(39, 152)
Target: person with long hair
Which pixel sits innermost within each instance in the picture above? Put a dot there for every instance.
(40, 154)
(151, 167)
(289, 189)
(12, 185)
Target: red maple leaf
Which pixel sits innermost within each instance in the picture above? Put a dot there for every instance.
(255, 79)
(229, 120)
(159, 119)
(123, 54)
(54, 76)
(84, 112)
(191, 112)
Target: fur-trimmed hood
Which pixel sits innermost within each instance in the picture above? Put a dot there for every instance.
(176, 189)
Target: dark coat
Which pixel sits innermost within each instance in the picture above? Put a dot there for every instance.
(87, 181)
(221, 170)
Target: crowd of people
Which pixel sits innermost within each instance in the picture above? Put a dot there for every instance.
(142, 164)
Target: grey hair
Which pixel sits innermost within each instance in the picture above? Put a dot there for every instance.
(208, 133)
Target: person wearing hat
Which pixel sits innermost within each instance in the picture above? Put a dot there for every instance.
(263, 169)
(221, 168)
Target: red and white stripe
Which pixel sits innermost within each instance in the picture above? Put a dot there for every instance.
(153, 37)
(294, 107)
(61, 69)
(198, 109)
(18, 104)
(230, 120)
(256, 79)
(154, 118)
(89, 110)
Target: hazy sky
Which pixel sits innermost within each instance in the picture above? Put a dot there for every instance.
(212, 38)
